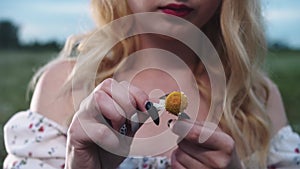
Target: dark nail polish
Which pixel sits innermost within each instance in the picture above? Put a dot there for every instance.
(169, 122)
(182, 116)
(153, 112)
(156, 121)
(148, 105)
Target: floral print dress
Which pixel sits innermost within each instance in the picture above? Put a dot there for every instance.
(33, 141)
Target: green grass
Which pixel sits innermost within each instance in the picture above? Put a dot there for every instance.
(16, 70)
(17, 67)
(284, 70)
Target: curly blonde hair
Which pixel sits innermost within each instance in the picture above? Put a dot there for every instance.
(237, 34)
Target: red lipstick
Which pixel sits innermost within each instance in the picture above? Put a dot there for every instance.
(179, 10)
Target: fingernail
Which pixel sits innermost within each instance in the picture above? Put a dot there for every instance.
(169, 122)
(134, 123)
(153, 112)
(134, 126)
(182, 116)
(156, 121)
(148, 105)
(135, 118)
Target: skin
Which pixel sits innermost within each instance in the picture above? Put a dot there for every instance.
(82, 152)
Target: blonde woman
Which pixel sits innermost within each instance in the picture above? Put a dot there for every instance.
(76, 122)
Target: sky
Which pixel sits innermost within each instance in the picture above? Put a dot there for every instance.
(44, 20)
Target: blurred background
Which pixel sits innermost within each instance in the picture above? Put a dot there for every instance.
(33, 31)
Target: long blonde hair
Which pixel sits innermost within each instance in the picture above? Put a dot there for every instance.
(236, 32)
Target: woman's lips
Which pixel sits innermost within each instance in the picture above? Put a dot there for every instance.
(179, 10)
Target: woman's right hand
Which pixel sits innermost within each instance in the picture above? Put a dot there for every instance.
(94, 140)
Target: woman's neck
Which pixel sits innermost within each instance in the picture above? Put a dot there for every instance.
(161, 51)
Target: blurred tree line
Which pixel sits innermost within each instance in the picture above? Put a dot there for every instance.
(9, 39)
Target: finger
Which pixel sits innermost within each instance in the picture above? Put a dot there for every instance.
(120, 94)
(141, 98)
(88, 108)
(210, 158)
(137, 120)
(99, 107)
(204, 134)
(175, 164)
(188, 161)
(110, 110)
(82, 133)
(139, 95)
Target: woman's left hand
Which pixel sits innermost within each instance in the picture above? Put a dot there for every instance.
(218, 151)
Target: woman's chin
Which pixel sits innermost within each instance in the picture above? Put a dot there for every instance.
(162, 24)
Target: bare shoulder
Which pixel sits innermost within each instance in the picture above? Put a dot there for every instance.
(275, 107)
(47, 98)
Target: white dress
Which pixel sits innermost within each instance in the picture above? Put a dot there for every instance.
(33, 141)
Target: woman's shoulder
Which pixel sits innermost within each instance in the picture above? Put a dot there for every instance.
(48, 99)
(275, 107)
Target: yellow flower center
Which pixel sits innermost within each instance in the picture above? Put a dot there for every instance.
(176, 102)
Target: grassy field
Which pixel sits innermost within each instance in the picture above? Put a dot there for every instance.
(17, 67)
(284, 70)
